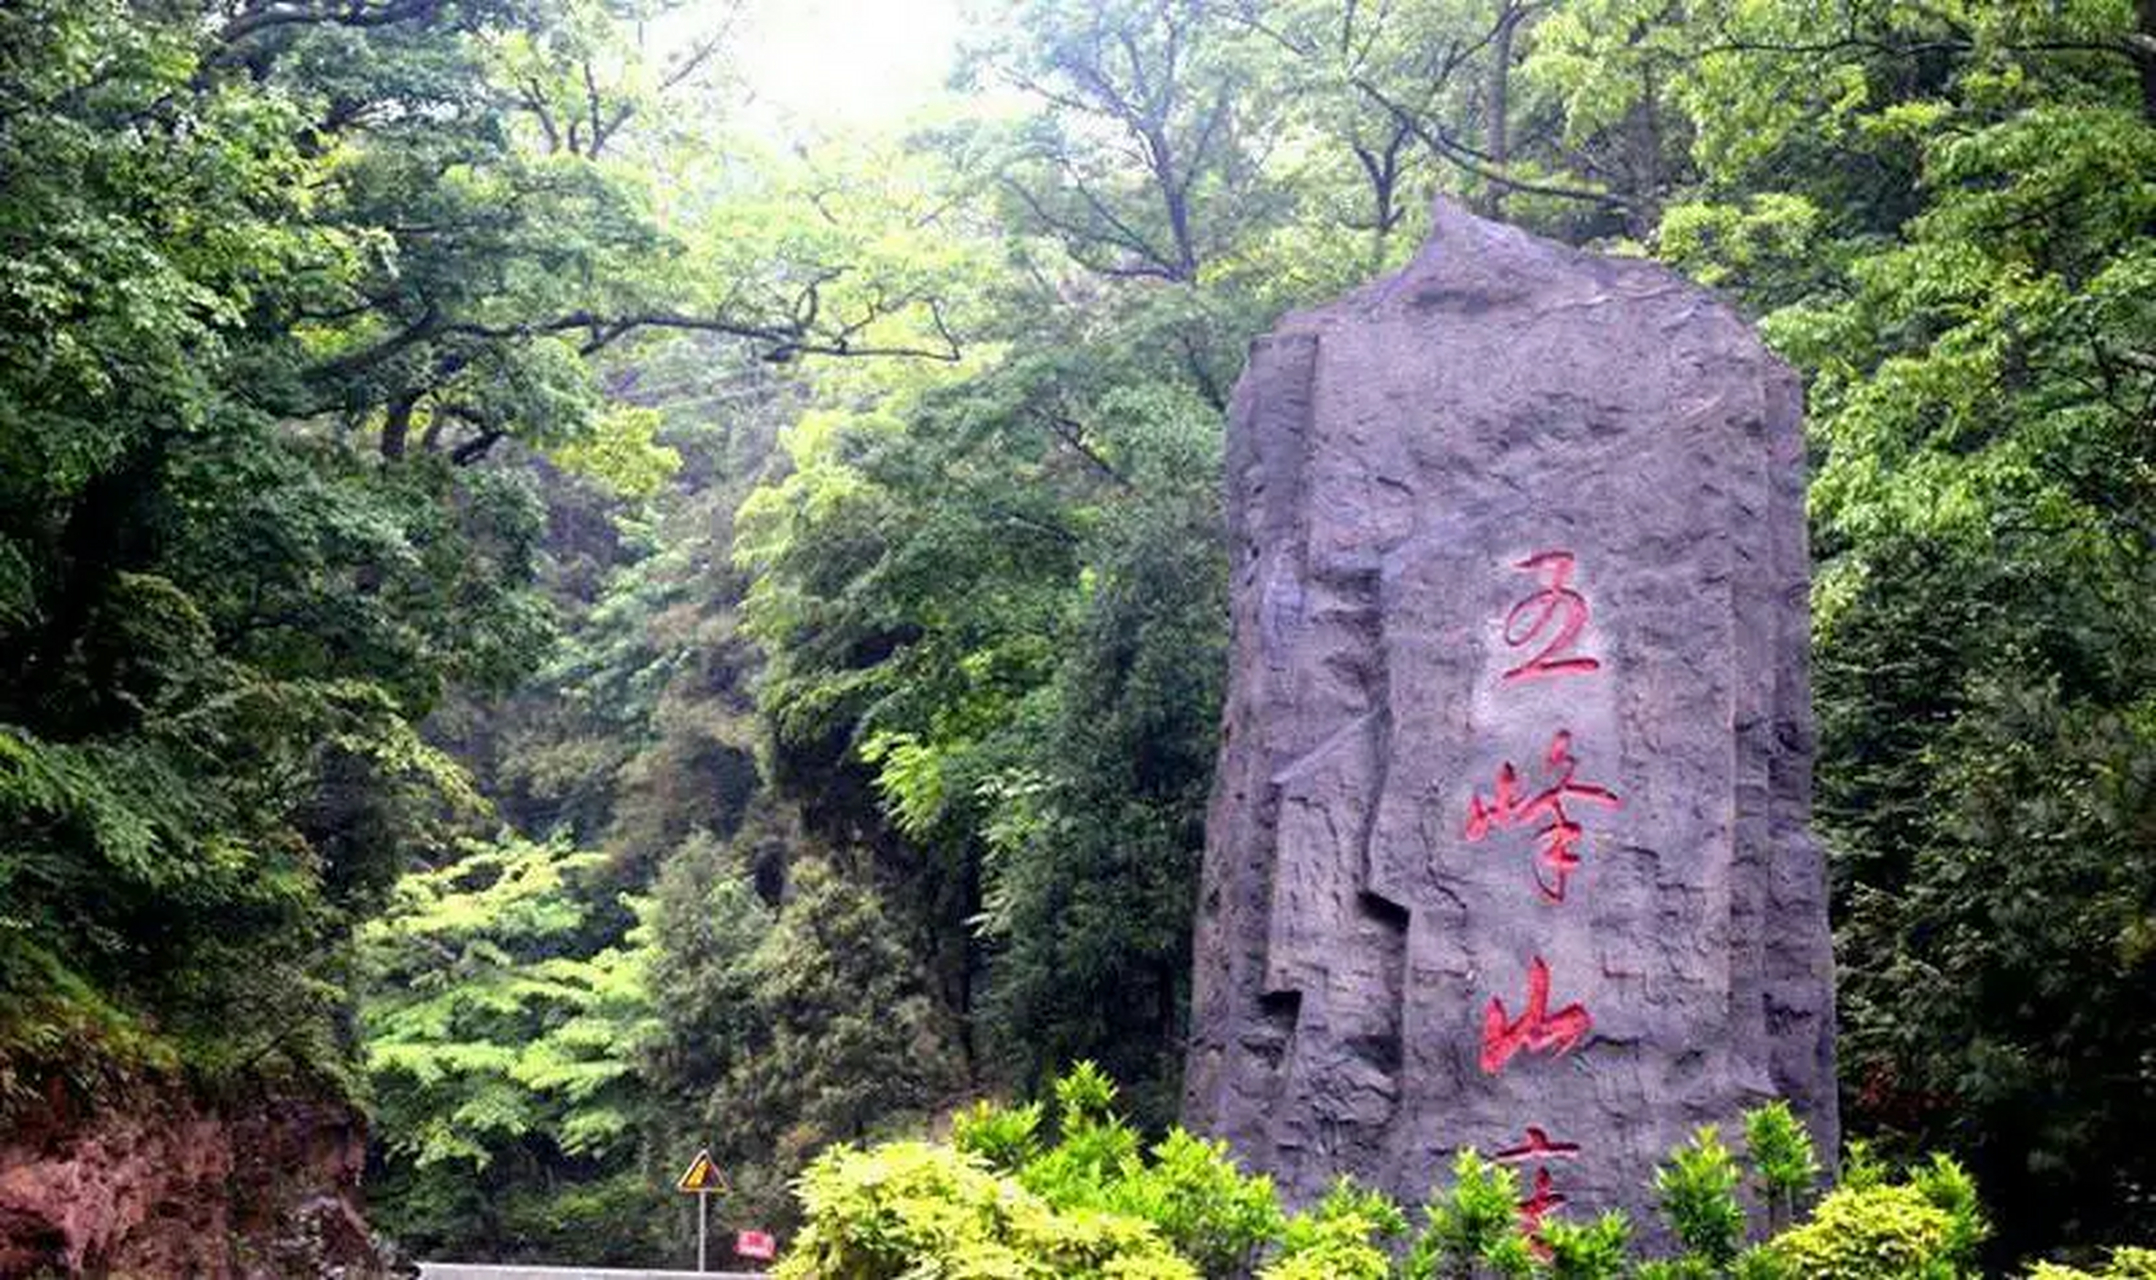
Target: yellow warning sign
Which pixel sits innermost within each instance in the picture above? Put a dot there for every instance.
(701, 1175)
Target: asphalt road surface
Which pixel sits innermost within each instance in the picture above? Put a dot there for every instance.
(488, 1271)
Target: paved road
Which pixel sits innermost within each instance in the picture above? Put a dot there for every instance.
(488, 1271)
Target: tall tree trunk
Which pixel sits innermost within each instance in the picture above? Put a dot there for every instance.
(1644, 139)
(1498, 102)
(2145, 57)
(397, 425)
(107, 533)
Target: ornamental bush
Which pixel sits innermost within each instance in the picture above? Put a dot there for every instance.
(2123, 1264)
(1877, 1233)
(915, 1209)
(1340, 1239)
(1009, 1199)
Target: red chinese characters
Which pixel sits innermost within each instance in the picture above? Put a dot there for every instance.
(1553, 617)
(1539, 1146)
(1558, 856)
(1536, 1030)
(1543, 1196)
(1537, 1206)
(1547, 626)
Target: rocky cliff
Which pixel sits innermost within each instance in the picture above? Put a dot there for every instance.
(163, 1186)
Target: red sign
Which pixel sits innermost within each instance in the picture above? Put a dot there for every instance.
(756, 1244)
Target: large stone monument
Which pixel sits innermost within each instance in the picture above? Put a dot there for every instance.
(1508, 845)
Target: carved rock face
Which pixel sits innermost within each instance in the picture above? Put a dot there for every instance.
(1508, 846)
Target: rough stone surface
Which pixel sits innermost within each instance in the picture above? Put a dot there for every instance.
(160, 1186)
(1396, 462)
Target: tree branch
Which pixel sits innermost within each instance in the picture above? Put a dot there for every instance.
(1456, 153)
(785, 340)
(354, 14)
(1068, 430)
(477, 447)
(1075, 236)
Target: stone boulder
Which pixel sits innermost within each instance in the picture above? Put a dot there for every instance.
(1508, 846)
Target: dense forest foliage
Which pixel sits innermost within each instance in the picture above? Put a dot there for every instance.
(598, 626)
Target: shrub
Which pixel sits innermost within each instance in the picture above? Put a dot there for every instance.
(1002, 1203)
(1783, 1159)
(1339, 1238)
(1474, 1227)
(912, 1209)
(1006, 1139)
(1597, 1251)
(1212, 1213)
(1948, 1187)
(2124, 1264)
(1873, 1233)
(1698, 1191)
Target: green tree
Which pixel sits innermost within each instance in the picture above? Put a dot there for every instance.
(786, 1029)
(306, 308)
(508, 1006)
(991, 598)
(216, 627)
(1093, 844)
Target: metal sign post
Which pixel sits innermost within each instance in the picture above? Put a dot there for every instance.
(702, 1177)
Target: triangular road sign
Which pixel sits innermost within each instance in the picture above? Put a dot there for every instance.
(701, 1175)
